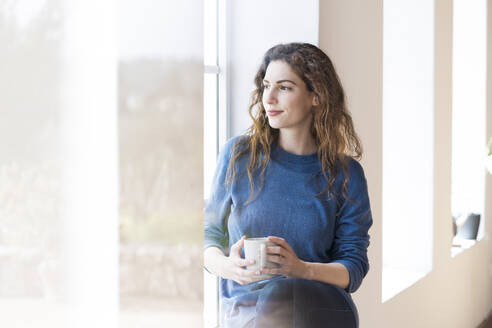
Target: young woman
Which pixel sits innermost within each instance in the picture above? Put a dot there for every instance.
(294, 178)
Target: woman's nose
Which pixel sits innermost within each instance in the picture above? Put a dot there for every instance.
(270, 96)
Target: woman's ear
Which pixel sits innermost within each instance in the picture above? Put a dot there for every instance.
(315, 100)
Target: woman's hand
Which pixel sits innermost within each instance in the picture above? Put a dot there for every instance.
(233, 267)
(291, 265)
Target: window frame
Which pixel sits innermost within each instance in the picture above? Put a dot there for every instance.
(222, 134)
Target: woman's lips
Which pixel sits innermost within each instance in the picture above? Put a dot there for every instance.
(274, 112)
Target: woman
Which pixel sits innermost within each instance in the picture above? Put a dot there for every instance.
(292, 177)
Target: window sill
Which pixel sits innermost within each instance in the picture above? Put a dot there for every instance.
(460, 244)
(397, 280)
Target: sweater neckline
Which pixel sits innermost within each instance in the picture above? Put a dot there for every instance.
(300, 163)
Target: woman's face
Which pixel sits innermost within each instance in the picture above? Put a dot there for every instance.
(286, 99)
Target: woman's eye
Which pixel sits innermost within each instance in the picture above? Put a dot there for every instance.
(284, 88)
(266, 86)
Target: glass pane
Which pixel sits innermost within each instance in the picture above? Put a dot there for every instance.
(31, 266)
(469, 117)
(210, 132)
(161, 163)
(209, 163)
(408, 107)
(210, 32)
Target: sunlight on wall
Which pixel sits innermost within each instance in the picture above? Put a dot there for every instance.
(469, 109)
(408, 91)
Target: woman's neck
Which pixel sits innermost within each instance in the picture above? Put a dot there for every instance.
(297, 142)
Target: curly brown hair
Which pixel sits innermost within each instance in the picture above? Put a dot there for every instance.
(332, 127)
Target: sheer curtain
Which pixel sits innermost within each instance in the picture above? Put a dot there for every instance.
(101, 173)
(160, 117)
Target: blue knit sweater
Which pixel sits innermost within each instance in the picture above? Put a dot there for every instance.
(317, 229)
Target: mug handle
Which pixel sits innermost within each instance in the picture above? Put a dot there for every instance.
(262, 256)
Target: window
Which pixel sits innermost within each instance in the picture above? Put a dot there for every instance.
(71, 95)
(469, 122)
(408, 134)
(160, 121)
(215, 122)
(59, 229)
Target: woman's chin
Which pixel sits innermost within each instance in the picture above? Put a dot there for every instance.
(273, 124)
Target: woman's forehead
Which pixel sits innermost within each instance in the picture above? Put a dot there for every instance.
(279, 71)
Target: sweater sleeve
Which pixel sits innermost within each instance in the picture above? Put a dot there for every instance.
(218, 205)
(351, 230)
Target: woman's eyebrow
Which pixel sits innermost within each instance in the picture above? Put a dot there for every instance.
(280, 81)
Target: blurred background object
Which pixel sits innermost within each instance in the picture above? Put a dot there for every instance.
(160, 120)
(31, 229)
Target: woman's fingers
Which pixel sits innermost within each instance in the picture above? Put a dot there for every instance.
(238, 273)
(240, 262)
(247, 273)
(275, 250)
(272, 271)
(244, 276)
(281, 242)
(236, 248)
(282, 254)
(276, 259)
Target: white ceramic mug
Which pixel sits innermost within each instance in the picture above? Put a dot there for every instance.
(255, 249)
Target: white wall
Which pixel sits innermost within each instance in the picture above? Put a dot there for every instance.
(488, 181)
(351, 34)
(458, 291)
(254, 27)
